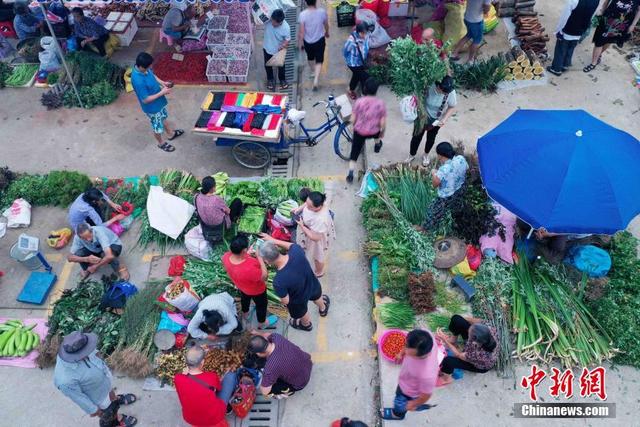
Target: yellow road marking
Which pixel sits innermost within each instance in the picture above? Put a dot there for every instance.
(60, 286)
(343, 356)
(53, 257)
(349, 255)
(148, 257)
(329, 177)
(321, 339)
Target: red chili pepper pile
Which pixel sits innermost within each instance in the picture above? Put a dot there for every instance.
(393, 344)
(192, 69)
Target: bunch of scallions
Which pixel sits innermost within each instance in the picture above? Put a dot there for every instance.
(551, 321)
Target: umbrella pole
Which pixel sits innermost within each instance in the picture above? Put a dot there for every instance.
(530, 233)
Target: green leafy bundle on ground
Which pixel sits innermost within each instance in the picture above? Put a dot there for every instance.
(618, 312)
(58, 188)
(483, 75)
(5, 72)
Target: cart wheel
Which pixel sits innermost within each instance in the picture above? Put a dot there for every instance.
(251, 155)
(342, 142)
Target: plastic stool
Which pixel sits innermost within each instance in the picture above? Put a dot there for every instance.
(165, 37)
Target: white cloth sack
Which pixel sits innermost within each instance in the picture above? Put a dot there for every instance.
(409, 108)
(296, 116)
(378, 37)
(196, 245)
(18, 214)
(167, 213)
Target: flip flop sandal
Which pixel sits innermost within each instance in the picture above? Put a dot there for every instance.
(123, 272)
(589, 68)
(327, 303)
(167, 147)
(271, 86)
(284, 86)
(177, 134)
(387, 414)
(296, 324)
(127, 399)
(128, 421)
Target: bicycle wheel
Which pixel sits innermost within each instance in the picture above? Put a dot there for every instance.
(251, 155)
(342, 142)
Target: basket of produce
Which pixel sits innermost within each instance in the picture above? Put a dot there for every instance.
(346, 14)
(218, 22)
(391, 343)
(238, 70)
(217, 70)
(252, 220)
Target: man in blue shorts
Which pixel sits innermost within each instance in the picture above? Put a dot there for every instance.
(474, 21)
(151, 92)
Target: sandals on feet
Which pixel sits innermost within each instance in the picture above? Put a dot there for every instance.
(327, 303)
(284, 86)
(387, 414)
(297, 324)
(589, 68)
(167, 147)
(128, 421)
(178, 133)
(127, 399)
(271, 86)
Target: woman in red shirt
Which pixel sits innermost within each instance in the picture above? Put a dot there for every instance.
(249, 274)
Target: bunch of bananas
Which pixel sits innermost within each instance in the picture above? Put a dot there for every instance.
(17, 339)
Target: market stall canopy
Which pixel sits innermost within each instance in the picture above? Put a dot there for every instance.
(564, 170)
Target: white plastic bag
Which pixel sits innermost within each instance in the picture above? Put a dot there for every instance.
(287, 205)
(18, 214)
(167, 213)
(196, 245)
(180, 295)
(378, 37)
(409, 108)
(295, 116)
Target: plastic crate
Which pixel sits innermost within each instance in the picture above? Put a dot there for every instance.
(240, 77)
(218, 22)
(216, 37)
(238, 39)
(216, 70)
(221, 51)
(346, 15)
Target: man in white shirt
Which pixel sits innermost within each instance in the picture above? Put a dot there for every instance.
(574, 22)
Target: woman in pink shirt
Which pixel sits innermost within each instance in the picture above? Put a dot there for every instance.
(369, 118)
(418, 375)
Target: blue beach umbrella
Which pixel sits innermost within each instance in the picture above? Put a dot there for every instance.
(563, 170)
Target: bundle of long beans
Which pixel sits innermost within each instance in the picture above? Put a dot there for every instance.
(493, 284)
(550, 320)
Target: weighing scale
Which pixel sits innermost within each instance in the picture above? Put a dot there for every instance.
(39, 283)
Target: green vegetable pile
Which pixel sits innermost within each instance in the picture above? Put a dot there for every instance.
(21, 75)
(551, 321)
(58, 188)
(181, 184)
(5, 72)
(295, 184)
(208, 277)
(98, 81)
(78, 309)
(619, 310)
(101, 93)
(135, 349)
(252, 220)
(247, 191)
(273, 191)
(493, 285)
(397, 315)
(483, 75)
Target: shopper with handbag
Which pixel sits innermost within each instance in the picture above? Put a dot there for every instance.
(440, 104)
(203, 397)
(355, 52)
(277, 35)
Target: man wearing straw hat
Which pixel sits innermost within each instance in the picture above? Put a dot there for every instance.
(84, 378)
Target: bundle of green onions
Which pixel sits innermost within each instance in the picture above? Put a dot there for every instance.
(551, 322)
(397, 315)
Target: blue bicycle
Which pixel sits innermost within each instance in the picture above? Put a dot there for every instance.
(256, 154)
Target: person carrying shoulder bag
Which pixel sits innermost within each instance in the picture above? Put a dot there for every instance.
(440, 103)
(355, 52)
